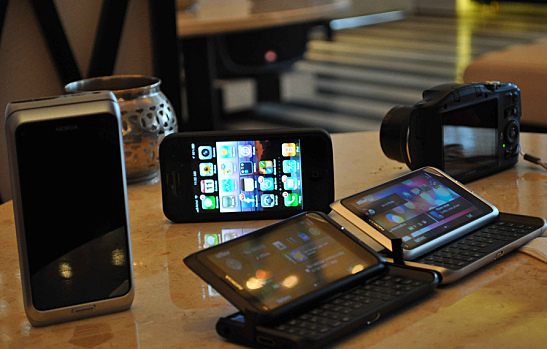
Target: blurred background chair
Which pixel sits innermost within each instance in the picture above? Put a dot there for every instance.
(524, 65)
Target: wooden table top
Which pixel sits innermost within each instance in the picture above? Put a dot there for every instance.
(501, 306)
(206, 17)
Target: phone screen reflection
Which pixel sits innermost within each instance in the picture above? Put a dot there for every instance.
(186, 289)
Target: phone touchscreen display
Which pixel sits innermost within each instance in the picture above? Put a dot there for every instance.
(244, 176)
(417, 208)
(276, 266)
(72, 194)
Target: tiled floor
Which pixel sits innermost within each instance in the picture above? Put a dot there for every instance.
(349, 84)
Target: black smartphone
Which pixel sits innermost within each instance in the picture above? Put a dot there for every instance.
(303, 282)
(245, 175)
(70, 205)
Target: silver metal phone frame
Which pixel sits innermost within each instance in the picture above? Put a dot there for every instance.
(19, 113)
(429, 246)
(451, 275)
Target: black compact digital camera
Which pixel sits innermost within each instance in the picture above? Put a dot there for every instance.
(466, 130)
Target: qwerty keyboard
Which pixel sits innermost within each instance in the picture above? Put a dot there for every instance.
(349, 307)
(466, 250)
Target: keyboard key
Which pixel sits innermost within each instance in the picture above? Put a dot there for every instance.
(348, 307)
(473, 247)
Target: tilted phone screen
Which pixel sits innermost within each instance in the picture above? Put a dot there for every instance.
(417, 208)
(245, 176)
(279, 264)
(72, 194)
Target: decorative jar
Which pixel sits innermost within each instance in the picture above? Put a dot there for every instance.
(147, 117)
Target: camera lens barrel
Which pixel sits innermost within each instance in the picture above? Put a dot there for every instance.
(394, 132)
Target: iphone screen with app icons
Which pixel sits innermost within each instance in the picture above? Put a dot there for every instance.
(243, 176)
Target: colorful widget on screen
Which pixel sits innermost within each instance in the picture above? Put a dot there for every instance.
(244, 176)
(415, 210)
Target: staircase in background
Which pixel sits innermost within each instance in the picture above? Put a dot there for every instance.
(349, 83)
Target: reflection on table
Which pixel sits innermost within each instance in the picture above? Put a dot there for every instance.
(503, 305)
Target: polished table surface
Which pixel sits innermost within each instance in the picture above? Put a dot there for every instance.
(501, 306)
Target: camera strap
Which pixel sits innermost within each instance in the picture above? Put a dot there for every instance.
(533, 159)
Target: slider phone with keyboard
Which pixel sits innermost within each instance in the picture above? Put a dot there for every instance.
(482, 246)
(303, 282)
(444, 226)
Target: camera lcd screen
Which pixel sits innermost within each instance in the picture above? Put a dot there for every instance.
(279, 264)
(417, 208)
(72, 194)
(245, 176)
(470, 138)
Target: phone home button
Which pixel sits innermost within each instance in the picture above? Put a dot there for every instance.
(85, 308)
